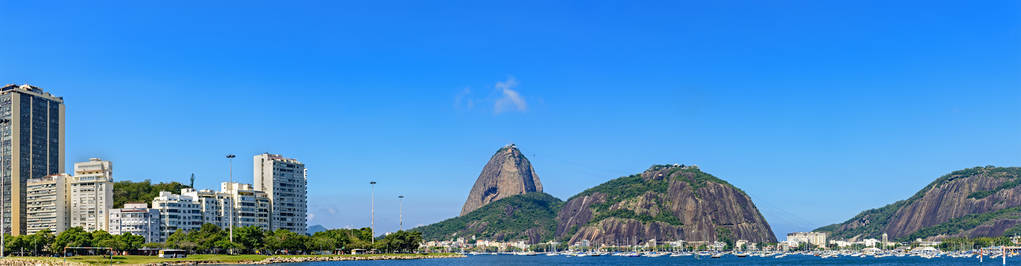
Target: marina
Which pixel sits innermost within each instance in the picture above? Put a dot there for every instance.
(671, 258)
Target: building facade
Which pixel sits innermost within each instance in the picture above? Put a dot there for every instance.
(176, 212)
(137, 219)
(251, 207)
(31, 146)
(213, 205)
(815, 238)
(284, 180)
(48, 200)
(92, 194)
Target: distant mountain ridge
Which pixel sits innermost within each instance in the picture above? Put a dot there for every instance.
(312, 229)
(666, 202)
(974, 202)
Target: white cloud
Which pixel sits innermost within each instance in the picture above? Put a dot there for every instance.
(510, 99)
(464, 100)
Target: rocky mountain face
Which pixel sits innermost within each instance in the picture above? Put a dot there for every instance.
(507, 173)
(666, 202)
(980, 201)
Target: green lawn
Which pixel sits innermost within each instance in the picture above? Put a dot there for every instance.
(201, 258)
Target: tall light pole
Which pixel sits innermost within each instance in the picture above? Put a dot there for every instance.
(230, 174)
(372, 215)
(402, 211)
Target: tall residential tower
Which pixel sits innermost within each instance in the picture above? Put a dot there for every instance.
(284, 181)
(31, 146)
(92, 194)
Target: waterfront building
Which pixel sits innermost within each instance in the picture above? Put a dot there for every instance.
(91, 194)
(48, 200)
(137, 219)
(251, 207)
(284, 180)
(741, 245)
(213, 205)
(815, 238)
(32, 146)
(886, 241)
(176, 212)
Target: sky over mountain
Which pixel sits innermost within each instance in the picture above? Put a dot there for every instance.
(816, 109)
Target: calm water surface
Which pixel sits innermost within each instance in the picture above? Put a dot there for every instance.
(614, 260)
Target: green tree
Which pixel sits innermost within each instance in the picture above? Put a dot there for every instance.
(250, 238)
(40, 240)
(73, 237)
(101, 238)
(181, 240)
(130, 241)
(347, 239)
(145, 191)
(207, 237)
(322, 243)
(17, 244)
(286, 241)
(401, 241)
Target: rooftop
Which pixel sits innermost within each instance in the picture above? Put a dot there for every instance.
(30, 89)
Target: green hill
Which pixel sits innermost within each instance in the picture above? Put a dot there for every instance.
(973, 202)
(665, 202)
(528, 217)
(145, 191)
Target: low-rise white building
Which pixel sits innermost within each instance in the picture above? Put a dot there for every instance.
(176, 212)
(91, 194)
(138, 219)
(815, 238)
(47, 203)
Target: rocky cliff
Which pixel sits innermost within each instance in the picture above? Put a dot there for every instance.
(980, 201)
(666, 202)
(507, 173)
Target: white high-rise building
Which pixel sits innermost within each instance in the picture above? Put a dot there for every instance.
(91, 194)
(213, 205)
(137, 219)
(284, 181)
(177, 212)
(48, 201)
(251, 207)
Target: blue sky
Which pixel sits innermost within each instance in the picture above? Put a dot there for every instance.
(817, 109)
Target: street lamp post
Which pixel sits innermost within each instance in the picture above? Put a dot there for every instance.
(372, 215)
(402, 211)
(230, 212)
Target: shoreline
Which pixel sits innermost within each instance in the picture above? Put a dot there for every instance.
(216, 259)
(313, 258)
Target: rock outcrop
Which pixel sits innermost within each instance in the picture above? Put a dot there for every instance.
(666, 202)
(980, 201)
(507, 173)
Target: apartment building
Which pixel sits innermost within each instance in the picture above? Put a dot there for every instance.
(47, 201)
(137, 219)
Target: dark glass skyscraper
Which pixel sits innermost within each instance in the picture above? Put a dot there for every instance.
(31, 146)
